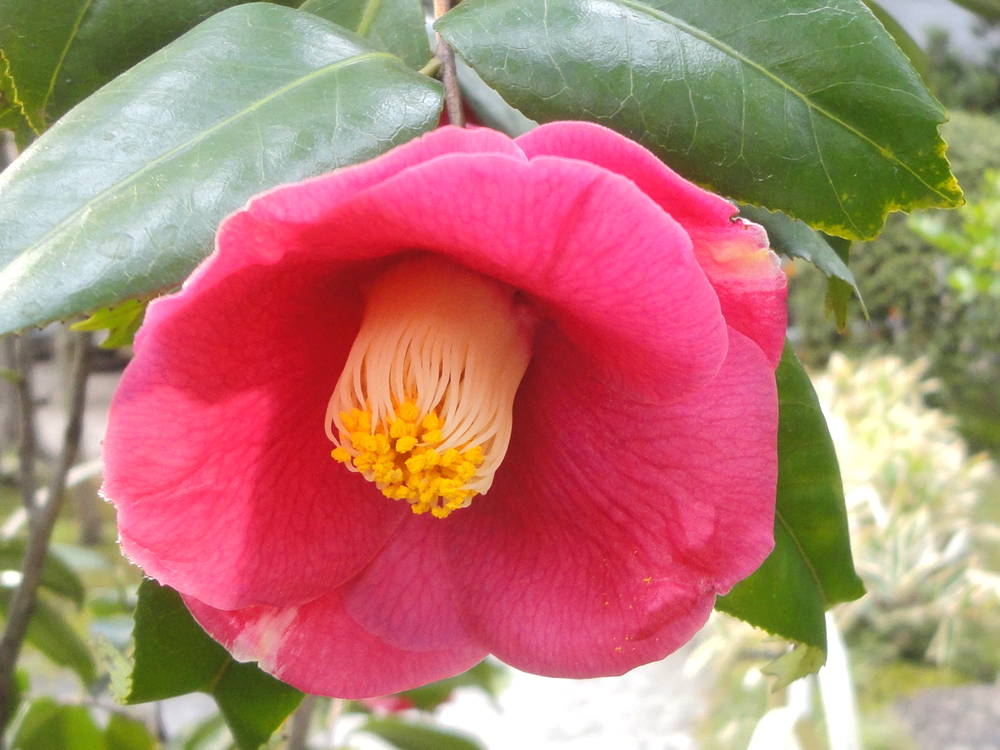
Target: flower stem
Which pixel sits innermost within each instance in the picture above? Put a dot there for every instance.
(301, 719)
(449, 74)
(42, 517)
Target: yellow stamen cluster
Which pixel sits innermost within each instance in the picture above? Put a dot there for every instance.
(423, 405)
(403, 459)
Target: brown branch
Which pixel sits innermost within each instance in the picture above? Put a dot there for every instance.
(301, 720)
(27, 439)
(449, 74)
(40, 524)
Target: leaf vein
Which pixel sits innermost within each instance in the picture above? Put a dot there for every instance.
(740, 57)
(73, 34)
(131, 179)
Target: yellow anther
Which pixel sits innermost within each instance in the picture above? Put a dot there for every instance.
(423, 404)
(362, 441)
(431, 421)
(398, 458)
(406, 444)
(399, 429)
(356, 420)
(465, 471)
(408, 412)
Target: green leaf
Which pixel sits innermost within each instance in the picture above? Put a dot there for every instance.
(901, 36)
(798, 240)
(488, 106)
(49, 725)
(807, 106)
(11, 116)
(408, 735)
(57, 576)
(811, 567)
(838, 292)
(122, 197)
(801, 661)
(61, 51)
(988, 9)
(174, 656)
(829, 254)
(253, 703)
(52, 634)
(486, 675)
(120, 321)
(396, 26)
(123, 733)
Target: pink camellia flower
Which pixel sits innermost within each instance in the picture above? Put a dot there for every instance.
(476, 396)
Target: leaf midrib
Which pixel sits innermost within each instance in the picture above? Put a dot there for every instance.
(740, 57)
(368, 17)
(150, 165)
(73, 34)
(805, 558)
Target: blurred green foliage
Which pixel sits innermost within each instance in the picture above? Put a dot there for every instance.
(915, 311)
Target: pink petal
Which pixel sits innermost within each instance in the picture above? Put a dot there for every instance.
(733, 252)
(612, 524)
(588, 248)
(319, 649)
(404, 597)
(222, 410)
(306, 201)
(215, 454)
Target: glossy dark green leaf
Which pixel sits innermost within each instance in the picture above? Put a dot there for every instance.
(797, 240)
(407, 735)
(396, 26)
(807, 106)
(57, 576)
(811, 567)
(829, 254)
(123, 733)
(61, 51)
(52, 634)
(49, 725)
(901, 36)
(122, 196)
(174, 656)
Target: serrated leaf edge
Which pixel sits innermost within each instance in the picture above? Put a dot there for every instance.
(725, 48)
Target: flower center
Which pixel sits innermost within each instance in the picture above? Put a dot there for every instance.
(423, 406)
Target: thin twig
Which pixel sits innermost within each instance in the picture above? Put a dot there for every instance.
(27, 440)
(300, 724)
(41, 522)
(449, 74)
(431, 69)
